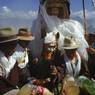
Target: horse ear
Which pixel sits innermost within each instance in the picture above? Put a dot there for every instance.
(57, 35)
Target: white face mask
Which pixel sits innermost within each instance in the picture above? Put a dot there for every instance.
(52, 49)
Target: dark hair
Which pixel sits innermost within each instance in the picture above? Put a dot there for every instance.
(22, 29)
(8, 46)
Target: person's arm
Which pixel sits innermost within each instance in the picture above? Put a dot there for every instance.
(5, 85)
(2, 71)
(91, 50)
(84, 69)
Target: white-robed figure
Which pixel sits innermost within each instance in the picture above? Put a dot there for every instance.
(66, 27)
(40, 25)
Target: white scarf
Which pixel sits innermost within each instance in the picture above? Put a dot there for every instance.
(73, 69)
(21, 56)
(7, 63)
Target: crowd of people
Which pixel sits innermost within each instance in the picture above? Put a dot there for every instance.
(18, 66)
(45, 60)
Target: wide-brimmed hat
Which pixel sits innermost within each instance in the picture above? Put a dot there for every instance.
(24, 34)
(71, 43)
(7, 35)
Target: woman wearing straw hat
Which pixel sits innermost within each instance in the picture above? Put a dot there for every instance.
(72, 59)
(8, 68)
(74, 64)
(23, 54)
(22, 50)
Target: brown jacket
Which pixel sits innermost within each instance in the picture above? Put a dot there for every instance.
(17, 77)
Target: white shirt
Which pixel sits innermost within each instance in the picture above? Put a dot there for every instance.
(73, 69)
(6, 64)
(21, 56)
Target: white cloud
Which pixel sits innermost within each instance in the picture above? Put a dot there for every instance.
(6, 9)
(88, 14)
(27, 17)
(90, 19)
(5, 12)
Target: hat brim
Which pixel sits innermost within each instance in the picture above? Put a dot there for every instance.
(72, 47)
(9, 40)
(30, 38)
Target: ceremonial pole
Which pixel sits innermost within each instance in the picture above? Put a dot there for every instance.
(84, 21)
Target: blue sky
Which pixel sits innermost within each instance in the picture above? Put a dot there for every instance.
(21, 13)
(26, 5)
(76, 5)
(20, 4)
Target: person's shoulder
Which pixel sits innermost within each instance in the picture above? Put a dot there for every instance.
(28, 50)
(2, 70)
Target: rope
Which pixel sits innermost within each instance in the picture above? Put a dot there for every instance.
(93, 3)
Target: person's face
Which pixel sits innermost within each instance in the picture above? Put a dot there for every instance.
(24, 43)
(57, 9)
(91, 39)
(8, 47)
(71, 53)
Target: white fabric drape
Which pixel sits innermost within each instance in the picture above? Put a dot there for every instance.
(67, 27)
(7, 63)
(37, 44)
(73, 69)
(54, 24)
(21, 56)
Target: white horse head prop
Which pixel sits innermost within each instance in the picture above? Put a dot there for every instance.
(50, 45)
(51, 37)
(74, 28)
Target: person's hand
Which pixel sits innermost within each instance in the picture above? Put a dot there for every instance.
(48, 80)
(91, 50)
(93, 80)
(87, 74)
